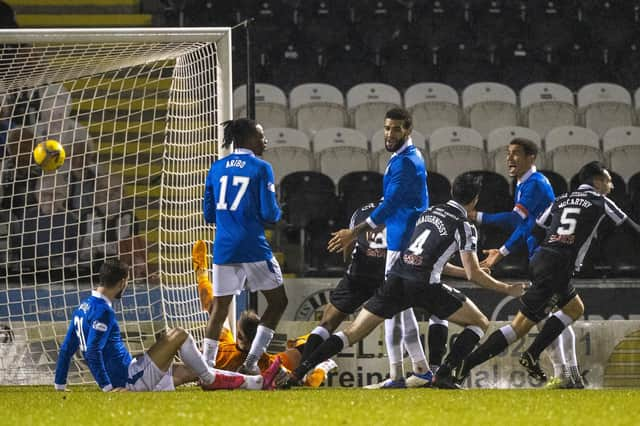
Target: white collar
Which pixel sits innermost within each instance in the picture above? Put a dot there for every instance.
(243, 151)
(526, 176)
(586, 187)
(404, 146)
(99, 295)
(458, 206)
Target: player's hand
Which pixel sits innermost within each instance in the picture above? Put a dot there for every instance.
(493, 257)
(472, 215)
(340, 239)
(486, 270)
(517, 289)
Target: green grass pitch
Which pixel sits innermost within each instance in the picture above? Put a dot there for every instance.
(33, 405)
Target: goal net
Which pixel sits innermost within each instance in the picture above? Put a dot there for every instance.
(137, 112)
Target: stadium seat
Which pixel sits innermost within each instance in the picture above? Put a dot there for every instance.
(495, 195)
(307, 196)
(433, 105)
(621, 145)
(626, 67)
(603, 106)
(358, 188)
(611, 23)
(634, 194)
(523, 65)
(350, 64)
(558, 182)
(272, 20)
(454, 150)
(288, 151)
(381, 156)
(368, 103)
(497, 22)
(579, 65)
(406, 63)
(489, 106)
(326, 22)
(545, 106)
(553, 23)
(463, 64)
(620, 253)
(271, 105)
(498, 142)
(571, 147)
(294, 63)
(316, 106)
(439, 188)
(380, 20)
(438, 21)
(340, 151)
(636, 99)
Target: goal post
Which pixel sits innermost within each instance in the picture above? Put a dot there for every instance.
(137, 111)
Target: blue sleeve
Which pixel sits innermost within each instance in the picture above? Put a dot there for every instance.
(519, 236)
(96, 341)
(400, 181)
(506, 220)
(209, 202)
(269, 210)
(68, 348)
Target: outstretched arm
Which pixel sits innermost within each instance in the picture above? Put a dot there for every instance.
(475, 273)
(68, 348)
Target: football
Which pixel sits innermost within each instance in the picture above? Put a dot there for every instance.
(49, 155)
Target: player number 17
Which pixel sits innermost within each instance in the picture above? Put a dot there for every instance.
(243, 181)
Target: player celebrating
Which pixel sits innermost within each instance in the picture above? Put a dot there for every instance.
(568, 225)
(240, 198)
(95, 331)
(405, 197)
(415, 281)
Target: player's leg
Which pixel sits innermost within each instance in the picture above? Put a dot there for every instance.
(412, 342)
(205, 289)
(266, 277)
(568, 337)
(437, 341)
(331, 319)
(475, 325)
(393, 330)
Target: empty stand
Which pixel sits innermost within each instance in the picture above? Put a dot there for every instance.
(545, 106)
(579, 64)
(307, 196)
(316, 106)
(358, 188)
(294, 63)
(288, 151)
(381, 156)
(437, 22)
(405, 63)
(271, 105)
(349, 64)
(497, 22)
(605, 105)
(571, 147)
(558, 182)
(524, 64)
(463, 64)
(433, 105)
(489, 106)
(454, 150)
(498, 143)
(622, 147)
(439, 188)
(553, 23)
(340, 151)
(368, 103)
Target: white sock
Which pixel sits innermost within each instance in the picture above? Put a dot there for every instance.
(192, 358)
(556, 353)
(393, 340)
(259, 345)
(509, 333)
(210, 350)
(322, 332)
(411, 340)
(569, 343)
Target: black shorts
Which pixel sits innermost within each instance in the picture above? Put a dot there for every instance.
(550, 273)
(398, 294)
(352, 291)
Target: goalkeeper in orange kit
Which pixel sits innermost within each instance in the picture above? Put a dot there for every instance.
(232, 352)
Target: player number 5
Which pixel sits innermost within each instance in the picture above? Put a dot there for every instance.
(243, 181)
(568, 223)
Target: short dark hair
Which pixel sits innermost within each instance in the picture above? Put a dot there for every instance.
(529, 147)
(238, 131)
(400, 114)
(248, 323)
(112, 271)
(466, 187)
(590, 171)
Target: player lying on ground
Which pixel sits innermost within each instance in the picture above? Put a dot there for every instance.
(415, 281)
(95, 331)
(232, 353)
(568, 226)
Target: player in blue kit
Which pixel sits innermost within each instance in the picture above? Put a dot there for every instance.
(240, 198)
(405, 198)
(95, 331)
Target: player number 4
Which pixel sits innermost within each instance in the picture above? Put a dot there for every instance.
(243, 181)
(417, 246)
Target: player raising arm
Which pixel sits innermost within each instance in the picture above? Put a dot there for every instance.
(95, 331)
(568, 225)
(415, 281)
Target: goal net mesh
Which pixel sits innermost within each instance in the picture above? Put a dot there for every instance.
(138, 121)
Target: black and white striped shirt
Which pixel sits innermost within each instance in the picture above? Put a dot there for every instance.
(439, 233)
(572, 221)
